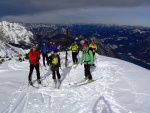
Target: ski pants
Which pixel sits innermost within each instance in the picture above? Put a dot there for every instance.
(74, 57)
(45, 56)
(58, 74)
(32, 66)
(87, 71)
(93, 54)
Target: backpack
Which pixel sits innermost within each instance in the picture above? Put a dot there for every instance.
(89, 50)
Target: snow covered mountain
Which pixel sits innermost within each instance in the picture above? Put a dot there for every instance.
(14, 33)
(120, 87)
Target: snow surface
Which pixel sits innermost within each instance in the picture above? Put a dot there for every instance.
(120, 87)
(10, 51)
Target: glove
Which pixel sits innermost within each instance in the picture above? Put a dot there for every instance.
(37, 58)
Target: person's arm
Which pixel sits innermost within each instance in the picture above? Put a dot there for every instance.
(96, 47)
(39, 55)
(29, 55)
(69, 47)
(50, 59)
(77, 49)
(90, 45)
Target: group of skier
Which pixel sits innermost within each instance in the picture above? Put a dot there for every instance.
(45, 50)
(53, 61)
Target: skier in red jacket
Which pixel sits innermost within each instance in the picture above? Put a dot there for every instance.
(34, 57)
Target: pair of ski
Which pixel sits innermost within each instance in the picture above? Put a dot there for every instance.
(38, 86)
(83, 82)
(56, 85)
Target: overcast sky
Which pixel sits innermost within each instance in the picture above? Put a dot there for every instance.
(124, 12)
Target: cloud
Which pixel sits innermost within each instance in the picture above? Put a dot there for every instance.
(122, 16)
(30, 7)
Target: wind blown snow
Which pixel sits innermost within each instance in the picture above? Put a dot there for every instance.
(120, 87)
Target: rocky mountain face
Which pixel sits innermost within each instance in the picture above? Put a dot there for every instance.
(15, 33)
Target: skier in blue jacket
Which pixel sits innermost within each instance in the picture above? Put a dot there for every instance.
(44, 51)
(53, 47)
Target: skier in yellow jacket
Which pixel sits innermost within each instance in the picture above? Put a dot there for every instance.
(75, 50)
(93, 47)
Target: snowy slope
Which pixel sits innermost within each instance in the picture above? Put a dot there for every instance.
(120, 87)
(10, 51)
(14, 33)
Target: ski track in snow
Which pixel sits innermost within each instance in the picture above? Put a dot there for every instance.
(68, 99)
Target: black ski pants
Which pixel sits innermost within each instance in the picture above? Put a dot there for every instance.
(45, 56)
(93, 54)
(87, 71)
(74, 57)
(58, 74)
(31, 71)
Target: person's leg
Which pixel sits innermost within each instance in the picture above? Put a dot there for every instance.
(93, 58)
(53, 73)
(76, 59)
(43, 59)
(47, 59)
(88, 72)
(54, 77)
(58, 74)
(73, 57)
(30, 73)
(37, 71)
(85, 72)
(93, 54)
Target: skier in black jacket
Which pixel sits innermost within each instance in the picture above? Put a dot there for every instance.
(54, 61)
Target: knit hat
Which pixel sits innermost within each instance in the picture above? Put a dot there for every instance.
(84, 45)
(53, 42)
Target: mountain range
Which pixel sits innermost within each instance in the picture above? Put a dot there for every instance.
(112, 40)
(132, 41)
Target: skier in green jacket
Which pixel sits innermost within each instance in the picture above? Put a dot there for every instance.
(87, 59)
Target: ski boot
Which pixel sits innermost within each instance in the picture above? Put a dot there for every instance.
(30, 83)
(91, 80)
(38, 81)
